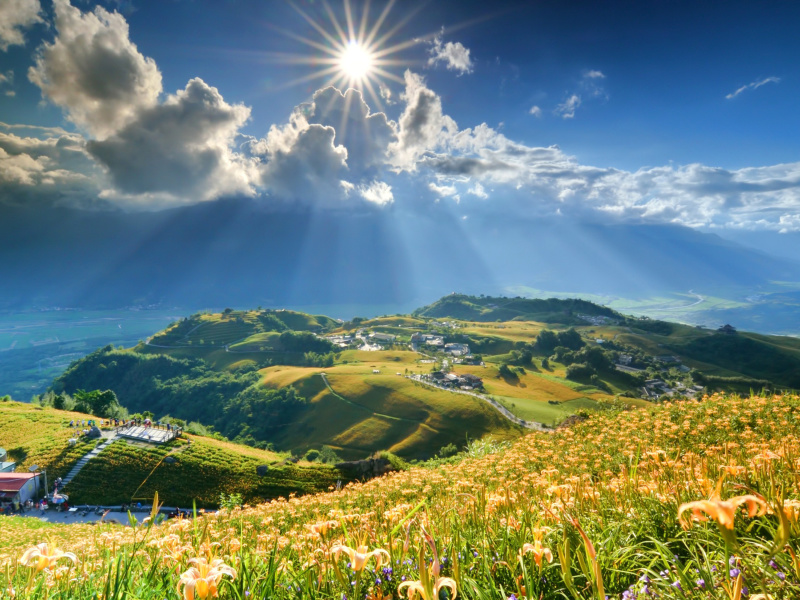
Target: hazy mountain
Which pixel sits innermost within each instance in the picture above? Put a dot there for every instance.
(238, 253)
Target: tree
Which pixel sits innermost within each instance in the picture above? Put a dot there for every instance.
(60, 401)
(546, 341)
(506, 372)
(101, 404)
(570, 339)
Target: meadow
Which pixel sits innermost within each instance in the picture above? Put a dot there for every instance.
(686, 500)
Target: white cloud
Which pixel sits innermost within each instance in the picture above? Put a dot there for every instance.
(445, 191)
(377, 192)
(49, 163)
(453, 54)
(753, 86)
(422, 125)
(535, 111)
(593, 74)
(7, 82)
(330, 147)
(566, 110)
(477, 190)
(15, 16)
(365, 135)
(180, 148)
(386, 94)
(94, 72)
(537, 180)
(302, 164)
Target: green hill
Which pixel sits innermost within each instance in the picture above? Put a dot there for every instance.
(487, 308)
(257, 381)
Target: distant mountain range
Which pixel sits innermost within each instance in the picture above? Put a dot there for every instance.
(239, 253)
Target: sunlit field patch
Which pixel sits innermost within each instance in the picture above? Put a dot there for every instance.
(685, 500)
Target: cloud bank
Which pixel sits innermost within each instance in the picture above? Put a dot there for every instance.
(141, 148)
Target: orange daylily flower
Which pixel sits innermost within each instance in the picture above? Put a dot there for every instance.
(202, 579)
(44, 555)
(538, 551)
(723, 511)
(360, 556)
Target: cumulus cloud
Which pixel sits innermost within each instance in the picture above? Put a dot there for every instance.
(45, 163)
(566, 110)
(332, 153)
(535, 111)
(181, 147)
(94, 72)
(753, 86)
(365, 135)
(422, 125)
(545, 180)
(377, 192)
(303, 164)
(16, 16)
(453, 54)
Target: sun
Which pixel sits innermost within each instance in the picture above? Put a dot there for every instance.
(356, 61)
(354, 52)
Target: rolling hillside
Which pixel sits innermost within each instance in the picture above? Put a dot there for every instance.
(199, 468)
(256, 380)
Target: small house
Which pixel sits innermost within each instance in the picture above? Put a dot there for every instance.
(18, 487)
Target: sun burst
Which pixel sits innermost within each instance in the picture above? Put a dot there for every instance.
(356, 52)
(356, 61)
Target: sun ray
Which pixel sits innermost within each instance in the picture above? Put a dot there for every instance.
(375, 97)
(348, 13)
(333, 41)
(376, 27)
(335, 22)
(388, 75)
(311, 77)
(362, 27)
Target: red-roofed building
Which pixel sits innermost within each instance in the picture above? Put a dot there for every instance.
(17, 486)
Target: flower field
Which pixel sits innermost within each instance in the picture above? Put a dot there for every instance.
(685, 500)
(201, 470)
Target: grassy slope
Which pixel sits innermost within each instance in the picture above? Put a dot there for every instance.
(205, 467)
(35, 435)
(368, 412)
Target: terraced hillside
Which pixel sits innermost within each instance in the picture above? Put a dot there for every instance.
(192, 469)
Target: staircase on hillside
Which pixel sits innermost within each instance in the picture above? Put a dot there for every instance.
(85, 459)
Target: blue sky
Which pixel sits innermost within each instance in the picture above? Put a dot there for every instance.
(654, 112)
